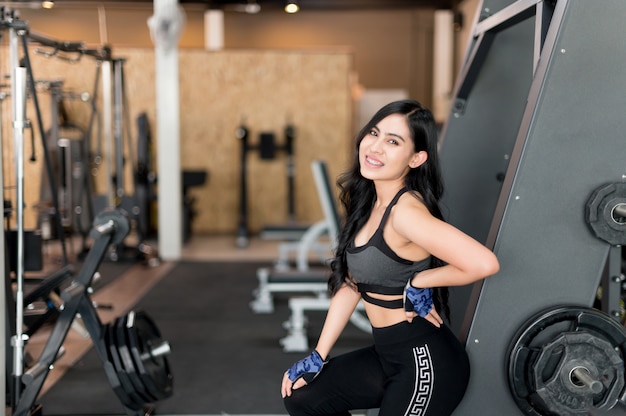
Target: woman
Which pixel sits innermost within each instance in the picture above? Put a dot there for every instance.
(397, 254)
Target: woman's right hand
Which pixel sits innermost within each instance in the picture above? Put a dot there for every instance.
(302, 372)
(433, 317)
(288, 386)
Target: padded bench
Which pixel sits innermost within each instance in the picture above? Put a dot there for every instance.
(313, 280)
(296, 339)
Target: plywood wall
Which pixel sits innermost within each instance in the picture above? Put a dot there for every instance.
(218, 91)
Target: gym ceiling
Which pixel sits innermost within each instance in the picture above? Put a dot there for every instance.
(319, 5)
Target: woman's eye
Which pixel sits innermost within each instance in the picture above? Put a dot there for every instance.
(373, 133)
(393, 141)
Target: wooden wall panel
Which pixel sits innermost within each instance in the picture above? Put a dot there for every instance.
(220, 90)
(265, 91)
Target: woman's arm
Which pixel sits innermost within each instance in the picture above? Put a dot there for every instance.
(342, 305)
(466, 259)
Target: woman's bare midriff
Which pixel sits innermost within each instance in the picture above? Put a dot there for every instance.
(382, 317)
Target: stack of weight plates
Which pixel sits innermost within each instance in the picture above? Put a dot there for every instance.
(137, 369)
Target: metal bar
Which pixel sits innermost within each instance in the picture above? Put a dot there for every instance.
(50, 283)
(64, 46)
(620, 210)
(106, 228)
(612, 283)
(158, 351)
(542, 23)
(484, 35)
(108, 133)
(470, 74)
(44, 144)
(19, 110)
(583, 376)
(69, 46)
(4, 318)
(118, 128)
(507, 17)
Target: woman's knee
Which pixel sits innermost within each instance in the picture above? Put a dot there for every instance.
(303, 403)
(297, 404)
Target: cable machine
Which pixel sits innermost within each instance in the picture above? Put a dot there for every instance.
(22, 85)
(113, 133)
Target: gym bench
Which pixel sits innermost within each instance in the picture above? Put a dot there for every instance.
(276, 280)
(296, 339)
(303, 278)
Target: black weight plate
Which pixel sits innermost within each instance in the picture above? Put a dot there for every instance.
(127, 361)
(119, 391)
(552, 374)
(143, 336)
(114, 357)
(599, 213)
(545, 327)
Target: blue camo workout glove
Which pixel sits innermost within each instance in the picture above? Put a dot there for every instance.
(418, 300)
(308, 368)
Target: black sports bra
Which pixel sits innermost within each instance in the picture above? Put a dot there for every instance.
(376, 268)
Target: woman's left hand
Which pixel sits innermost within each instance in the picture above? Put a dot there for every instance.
(432, 317)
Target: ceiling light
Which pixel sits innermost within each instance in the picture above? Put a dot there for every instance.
(47, 4)
(291, 7)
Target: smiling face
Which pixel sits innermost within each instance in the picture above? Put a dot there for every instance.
(387, 151)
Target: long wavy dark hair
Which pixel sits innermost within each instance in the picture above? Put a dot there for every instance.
(358, 195)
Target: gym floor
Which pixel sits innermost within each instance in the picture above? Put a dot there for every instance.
(124, 292)
(121, 294)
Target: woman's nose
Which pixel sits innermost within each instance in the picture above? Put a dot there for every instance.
(375, 146)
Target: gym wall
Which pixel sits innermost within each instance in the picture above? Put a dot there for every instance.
(218, 90)
(305, 69)
(392, 48)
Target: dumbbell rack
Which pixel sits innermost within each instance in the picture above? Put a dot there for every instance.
(131, 349)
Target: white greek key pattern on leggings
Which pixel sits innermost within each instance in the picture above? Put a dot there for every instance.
(424, 381)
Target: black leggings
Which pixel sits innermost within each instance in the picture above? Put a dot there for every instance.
(413, 369)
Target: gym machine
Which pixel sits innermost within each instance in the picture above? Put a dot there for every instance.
(311, 240)
(136, 340)
(133, 353)
(115, 195)
(533, 161)
(267, 148)
(303, 279)
(68, 147)
(20, 250)
(115, 129)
